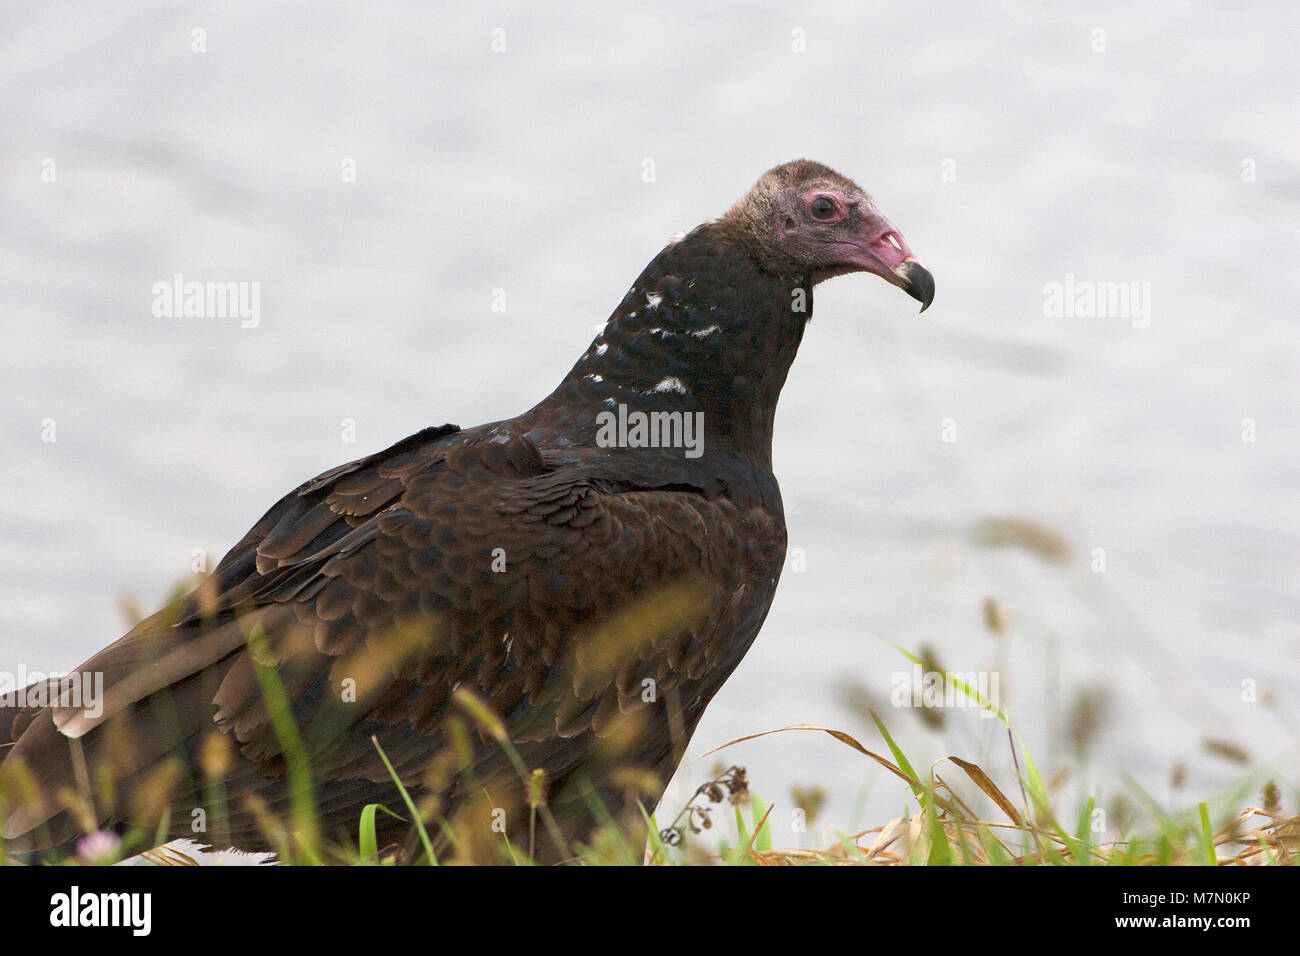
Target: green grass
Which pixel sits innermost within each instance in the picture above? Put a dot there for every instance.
(726, 823)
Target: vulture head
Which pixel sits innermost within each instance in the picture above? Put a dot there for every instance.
(807, 218)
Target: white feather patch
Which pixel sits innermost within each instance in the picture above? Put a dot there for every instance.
(671, 385)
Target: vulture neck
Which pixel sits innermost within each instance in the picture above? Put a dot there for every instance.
(705, 331)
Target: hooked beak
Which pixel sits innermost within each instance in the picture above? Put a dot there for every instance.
(883, 251)
(916, 282)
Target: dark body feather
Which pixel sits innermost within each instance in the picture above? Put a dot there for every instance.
(596, 598)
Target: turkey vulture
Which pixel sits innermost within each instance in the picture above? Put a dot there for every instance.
(589, 572)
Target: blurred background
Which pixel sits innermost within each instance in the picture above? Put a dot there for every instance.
(1102, 509)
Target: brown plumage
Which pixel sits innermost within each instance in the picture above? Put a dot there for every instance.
(594, 596)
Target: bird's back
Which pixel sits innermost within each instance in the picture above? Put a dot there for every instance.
(595, 603)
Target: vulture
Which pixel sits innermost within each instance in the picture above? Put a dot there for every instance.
(524, 620)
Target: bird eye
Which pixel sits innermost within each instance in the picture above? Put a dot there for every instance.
(822, 208)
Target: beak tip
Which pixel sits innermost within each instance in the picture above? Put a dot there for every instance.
(918, 283)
